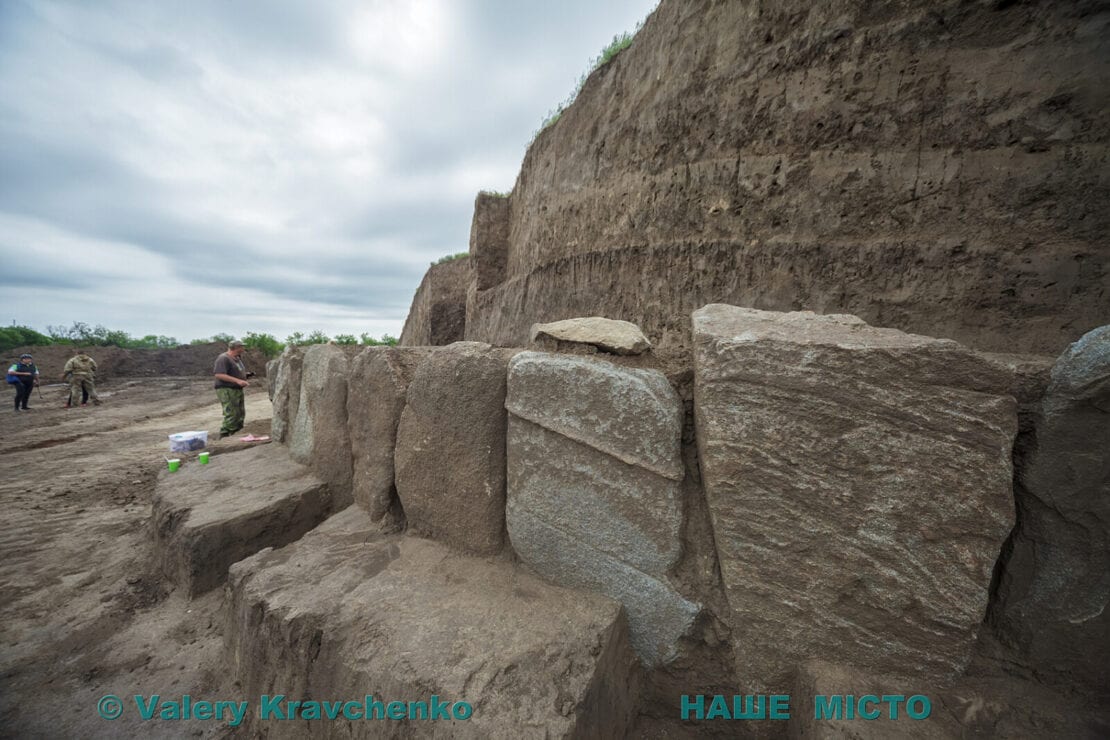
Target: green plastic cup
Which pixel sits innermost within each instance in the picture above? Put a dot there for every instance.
(202, 458)
(173, 465)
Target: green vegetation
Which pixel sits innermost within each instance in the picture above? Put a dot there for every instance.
(81, 334)
(267, 344)
(319, 337)
(494, 193)
(619, 43)
(451, 258)
(21, 336)
(386, 340)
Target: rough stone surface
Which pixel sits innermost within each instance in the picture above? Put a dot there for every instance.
(1055, 586)
(939, 167)
(859, 482)
(594, 486)
(975, 707)
(206, 517)
(608, 335)
(376, 394)
(449, 464)
(319, 437)
(285, 391)
(346, 612)
(438, 312)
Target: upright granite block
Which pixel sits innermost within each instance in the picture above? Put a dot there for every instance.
(347, 612)
(450, 455)
(1054, 592)
(859, 483)
(284, 377)
(376, 394)
(206, 517)
(319, 437)
(594, 475)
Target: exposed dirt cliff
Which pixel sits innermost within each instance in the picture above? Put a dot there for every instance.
(939, 167)
(438, 312)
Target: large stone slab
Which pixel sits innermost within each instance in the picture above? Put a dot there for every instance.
(449, 463)
(206, 517)
(608, 335)
(319, 437)
(859, 483)
(594, 486)
(376, 391)
(347, 612)
(1055, 587)
(284, 377)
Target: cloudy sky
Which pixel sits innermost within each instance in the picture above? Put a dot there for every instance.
(188, 168)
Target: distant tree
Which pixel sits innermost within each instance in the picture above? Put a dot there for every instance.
(315, 337)
(345, 339)
(223, 338)
(266, 343)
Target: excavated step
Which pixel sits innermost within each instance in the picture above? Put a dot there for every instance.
(350, 615)
(207, 517)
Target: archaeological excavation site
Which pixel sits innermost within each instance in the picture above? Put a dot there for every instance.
(773, 401)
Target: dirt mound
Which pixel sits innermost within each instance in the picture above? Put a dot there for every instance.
(114, 362)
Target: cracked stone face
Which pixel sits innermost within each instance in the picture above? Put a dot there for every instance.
(593, 497)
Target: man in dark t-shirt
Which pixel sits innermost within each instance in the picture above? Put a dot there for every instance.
(231, 378)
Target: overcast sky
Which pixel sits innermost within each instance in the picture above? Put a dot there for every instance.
(189, 168)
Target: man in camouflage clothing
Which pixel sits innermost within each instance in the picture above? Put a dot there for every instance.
(80, 371)
(230, 379)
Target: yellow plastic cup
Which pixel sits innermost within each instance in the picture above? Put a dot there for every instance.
(202, 458)
(173, 465)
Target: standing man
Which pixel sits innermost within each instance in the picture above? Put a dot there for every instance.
(80, 371)
(24, 376)
(231, 378)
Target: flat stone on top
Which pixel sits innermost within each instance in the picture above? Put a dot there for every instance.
(609, 335)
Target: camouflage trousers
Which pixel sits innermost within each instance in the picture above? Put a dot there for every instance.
(78, 384)
(235, 409)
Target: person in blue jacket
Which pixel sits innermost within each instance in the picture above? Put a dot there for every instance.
(24, 376)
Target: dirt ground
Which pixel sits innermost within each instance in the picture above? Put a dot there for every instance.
(84, 611)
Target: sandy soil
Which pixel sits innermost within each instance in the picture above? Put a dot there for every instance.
(84, 611)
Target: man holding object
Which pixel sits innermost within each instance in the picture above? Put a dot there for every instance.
(231, 378)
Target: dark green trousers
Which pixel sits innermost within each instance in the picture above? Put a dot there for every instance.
(235, 409)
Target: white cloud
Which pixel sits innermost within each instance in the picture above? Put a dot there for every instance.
(188, 169)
